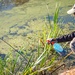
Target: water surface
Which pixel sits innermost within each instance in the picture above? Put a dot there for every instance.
(21, 20)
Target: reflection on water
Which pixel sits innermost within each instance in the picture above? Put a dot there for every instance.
(9, 4)
(6, 4)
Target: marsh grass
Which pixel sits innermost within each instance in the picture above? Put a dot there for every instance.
(18, 63)
(47, 58)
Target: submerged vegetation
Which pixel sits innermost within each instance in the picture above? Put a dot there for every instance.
(36, 60)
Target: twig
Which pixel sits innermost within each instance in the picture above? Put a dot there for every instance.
(14, 49)
(57, 68)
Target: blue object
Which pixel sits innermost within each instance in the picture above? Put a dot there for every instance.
(58, 48)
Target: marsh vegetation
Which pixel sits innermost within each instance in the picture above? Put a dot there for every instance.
(24, 30)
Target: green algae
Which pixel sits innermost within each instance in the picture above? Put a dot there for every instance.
(28, 16)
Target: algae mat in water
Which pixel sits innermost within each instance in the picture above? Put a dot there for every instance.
(23, 22)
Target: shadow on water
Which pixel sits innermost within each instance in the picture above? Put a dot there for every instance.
(62, 19)
(9, 4)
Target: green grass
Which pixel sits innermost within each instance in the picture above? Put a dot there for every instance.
(48, 54)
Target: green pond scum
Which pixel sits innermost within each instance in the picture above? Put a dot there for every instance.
(24, 29)
(22, 20)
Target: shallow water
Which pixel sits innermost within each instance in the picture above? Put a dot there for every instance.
(18, 22)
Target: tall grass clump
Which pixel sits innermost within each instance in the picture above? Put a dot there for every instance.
(47, 57)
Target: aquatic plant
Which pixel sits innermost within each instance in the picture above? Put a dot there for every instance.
(47, 58)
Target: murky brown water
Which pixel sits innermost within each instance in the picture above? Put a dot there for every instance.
(20, 1)
(9, 4)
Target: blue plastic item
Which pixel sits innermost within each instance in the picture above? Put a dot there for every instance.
(58, 48)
